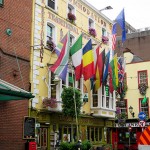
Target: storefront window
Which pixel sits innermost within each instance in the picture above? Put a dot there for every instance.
(124, 136)
(94, 133)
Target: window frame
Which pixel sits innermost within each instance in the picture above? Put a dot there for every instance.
(54, 4)
(147, 107)
(1, 3)
(139, 80)
(90, 20)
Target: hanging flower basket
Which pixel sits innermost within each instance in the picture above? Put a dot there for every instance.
(50, 44)
(105, 39)
(51, 102)
(92, 32)
(71, 17)
(142, 88)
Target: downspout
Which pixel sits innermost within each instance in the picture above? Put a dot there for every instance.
(31, 55)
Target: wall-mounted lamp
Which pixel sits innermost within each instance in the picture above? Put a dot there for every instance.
(106, 8)
(131, 111)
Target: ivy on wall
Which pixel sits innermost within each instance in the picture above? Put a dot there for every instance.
(68, 105)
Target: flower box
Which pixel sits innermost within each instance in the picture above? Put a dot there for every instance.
(50, 45)
(71, 17)
(49, 102)
(142, 88)
(105, 39)
(92, 32)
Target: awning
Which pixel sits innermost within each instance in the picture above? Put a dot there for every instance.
(10, 92)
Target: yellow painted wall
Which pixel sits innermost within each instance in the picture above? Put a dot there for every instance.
(59, 19)
(133, 93)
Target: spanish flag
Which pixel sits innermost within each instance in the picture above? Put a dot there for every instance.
(87, 61)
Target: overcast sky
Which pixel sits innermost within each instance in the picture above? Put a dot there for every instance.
(137, 12)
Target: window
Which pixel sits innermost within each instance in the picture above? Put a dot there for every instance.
(142, 77)
(94, 133)
(41, 139)
(71, 9)
(144, 107)
(123, 108)
(91, 23)
(1, 2)
(72, 39)
(104, 32)
(67, 133)
(51, 4)
(95, 97)
(50, 36)
(49, 32)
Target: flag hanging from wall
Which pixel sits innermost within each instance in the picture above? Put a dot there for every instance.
(99, 69)
(87, 61)
(106, 65)
(76, 55)
(121, 21)
(61, 65)
(114, 34)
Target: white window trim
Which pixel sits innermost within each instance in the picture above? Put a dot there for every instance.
(56, 4)
(54, 30)
(93, 23)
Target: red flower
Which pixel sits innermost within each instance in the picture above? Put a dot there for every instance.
(105, 39)
(92, 31)
(71, 16)
(51, 102)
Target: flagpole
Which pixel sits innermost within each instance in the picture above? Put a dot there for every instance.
(75, 106)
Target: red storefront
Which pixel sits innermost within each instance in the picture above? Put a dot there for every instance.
(127, 136)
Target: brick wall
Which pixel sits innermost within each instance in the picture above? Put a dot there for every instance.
(14, 68)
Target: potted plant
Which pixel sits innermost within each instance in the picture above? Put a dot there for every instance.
(105, 39)
(142, 88)
(92, 32)
(50, 44)
(49, 102)
(71, 16)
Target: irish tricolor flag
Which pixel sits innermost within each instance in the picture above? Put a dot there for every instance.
(76, 54)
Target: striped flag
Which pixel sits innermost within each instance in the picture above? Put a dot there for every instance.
(87, 61)
(99, 68)
(114, 33)
(58, 48)
(76, 54)
(106, 65)
(61, 65)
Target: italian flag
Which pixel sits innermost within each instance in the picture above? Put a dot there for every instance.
(76, 55)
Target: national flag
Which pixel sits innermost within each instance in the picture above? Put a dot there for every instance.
(61, 65)
(114, 67)
(144, 100)
(76, 54)
(114, 33)
(87, 61)
(121, 21)
(121, 72)
(110, 79)
(99, 68)
(106, 65)
(58, 48)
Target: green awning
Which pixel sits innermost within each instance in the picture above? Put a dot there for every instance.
(10, 92)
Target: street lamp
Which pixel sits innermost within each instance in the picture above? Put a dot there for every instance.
(106, 8)
(131, 111)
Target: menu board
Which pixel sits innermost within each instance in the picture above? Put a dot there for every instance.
(29, 128)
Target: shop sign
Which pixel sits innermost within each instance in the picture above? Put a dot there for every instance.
(134, 125)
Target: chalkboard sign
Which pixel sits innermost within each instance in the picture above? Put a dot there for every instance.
(29, 128)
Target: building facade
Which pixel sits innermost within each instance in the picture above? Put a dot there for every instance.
(137, 80)
(51, 21)
(14, 68)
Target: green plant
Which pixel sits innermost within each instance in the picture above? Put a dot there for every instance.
(86, 145)
(67, 146)
(68, 95)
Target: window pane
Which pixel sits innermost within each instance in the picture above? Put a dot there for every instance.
(142, 77)
(95, 98)
(1, 2)
(51, 4)
(49, 32)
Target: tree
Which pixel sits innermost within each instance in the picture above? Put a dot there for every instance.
(68, 96)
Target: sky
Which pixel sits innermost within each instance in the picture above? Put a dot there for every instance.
(137, 12)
